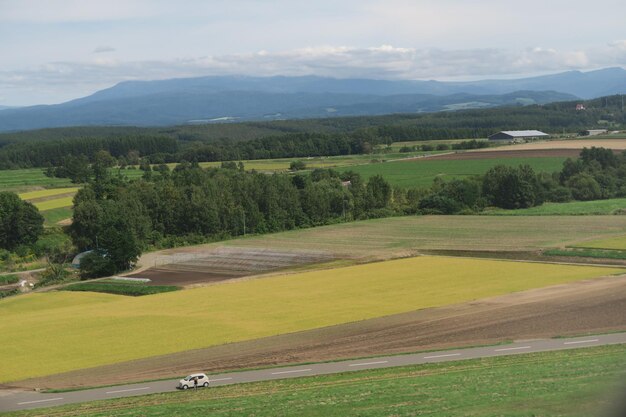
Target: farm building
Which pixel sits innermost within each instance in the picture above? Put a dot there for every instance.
(594, 132)
(516, 135)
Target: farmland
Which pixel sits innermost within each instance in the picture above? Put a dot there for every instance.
(422, 172)
(25, 179)
(532, 384)
(615, 243)
(403, 236)
(573, 208)
(85, 329)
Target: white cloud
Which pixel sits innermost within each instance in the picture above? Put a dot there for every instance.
(72, 79)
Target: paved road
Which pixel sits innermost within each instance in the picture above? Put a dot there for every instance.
(10, 401)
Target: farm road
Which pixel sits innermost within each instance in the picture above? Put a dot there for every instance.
(27, 400)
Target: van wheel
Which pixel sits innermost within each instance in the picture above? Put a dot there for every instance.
(185, 387)
(206, 384)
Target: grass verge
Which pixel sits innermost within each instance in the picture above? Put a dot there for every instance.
(573, 208)
(587, 253)
(572, 383)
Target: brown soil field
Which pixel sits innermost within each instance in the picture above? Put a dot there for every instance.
(591, 306)
(159, 276)
(616, 144)
(508, 152)
(214, 264)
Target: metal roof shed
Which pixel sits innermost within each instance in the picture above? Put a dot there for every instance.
(518, 134)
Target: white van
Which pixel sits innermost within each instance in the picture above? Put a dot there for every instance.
(190, 381)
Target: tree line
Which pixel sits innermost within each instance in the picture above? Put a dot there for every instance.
(117, 218)
(296, 138)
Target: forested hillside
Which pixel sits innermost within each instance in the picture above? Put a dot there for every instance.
(296, 138)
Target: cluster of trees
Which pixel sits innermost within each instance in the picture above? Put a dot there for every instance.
(467, 144)
(598, 174)
(294, 138)
(118, 219)
(20, 222)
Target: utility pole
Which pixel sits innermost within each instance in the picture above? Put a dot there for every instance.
(244, 222)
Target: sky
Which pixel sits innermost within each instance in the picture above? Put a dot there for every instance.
(52, 51)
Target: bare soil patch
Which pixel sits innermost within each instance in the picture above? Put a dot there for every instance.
(208, 265)
(586, 306)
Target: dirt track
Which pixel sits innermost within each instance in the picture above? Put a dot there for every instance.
(586, 306)
(509, 153)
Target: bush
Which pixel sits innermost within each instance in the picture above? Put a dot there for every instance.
(297, 166)
(9, 279)
(95, 265)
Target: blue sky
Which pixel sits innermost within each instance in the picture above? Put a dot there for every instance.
(52, 51)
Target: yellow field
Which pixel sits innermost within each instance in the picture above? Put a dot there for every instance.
(31, 195)
(617, 243)
(48, 333)
(54, 204)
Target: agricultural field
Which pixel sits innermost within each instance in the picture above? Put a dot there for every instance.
(26, 179)
(615, 243)
(532, 384)
(54, 203)
(422, 172)
(405, 236)
(573, 208)
(615, 142)
(84, 330)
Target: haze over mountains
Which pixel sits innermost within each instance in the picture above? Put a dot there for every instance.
(237, 98)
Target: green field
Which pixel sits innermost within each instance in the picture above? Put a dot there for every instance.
(402, 236)
(565, 383)
(54, 216)
(23, 179)
(39, 194)
(587, 253)
(84, 330)
(54, 203)
(574, 208)
(615, 243)
(422, 172)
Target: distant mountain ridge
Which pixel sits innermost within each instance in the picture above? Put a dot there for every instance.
(230, 98)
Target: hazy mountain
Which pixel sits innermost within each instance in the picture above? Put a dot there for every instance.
(581, 84)
(169, 108)
(228, 98)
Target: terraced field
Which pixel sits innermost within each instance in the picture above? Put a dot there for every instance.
(84, 330)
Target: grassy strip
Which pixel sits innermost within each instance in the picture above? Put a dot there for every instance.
(31, 195)
(8, 279)
(52, 217)
(54, 204)
(121, 288)
(574, 208)
(572, 383)
(614, 243)
(587, 253)
(8, 293)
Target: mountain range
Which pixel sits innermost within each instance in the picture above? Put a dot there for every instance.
(238, 98)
